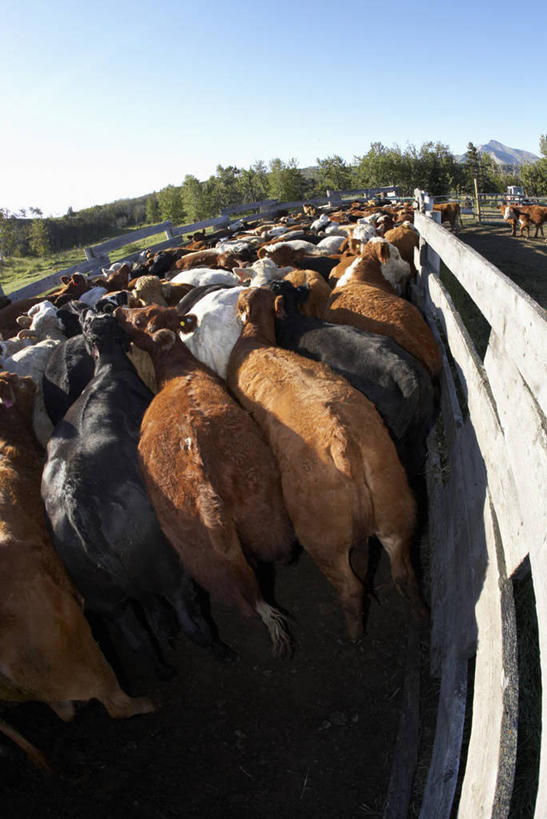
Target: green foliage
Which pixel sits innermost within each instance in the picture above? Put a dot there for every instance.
(170, 205)
(286, 182)
(152, 209)
(534, 178)
(334, 174)
(39, 238)
(193, 199)
(253, 183)
(8, 238)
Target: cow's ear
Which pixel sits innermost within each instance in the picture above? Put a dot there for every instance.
(383, 251)
(188, 323)
(279, 307)
(165, 339)
(243, 273)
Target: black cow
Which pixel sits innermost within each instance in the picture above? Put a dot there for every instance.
(321, 264)
(103, 523)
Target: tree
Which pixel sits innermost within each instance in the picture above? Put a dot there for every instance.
(253, 183)
(170, 204)
(8, 239)
(194, 199)
(436, 169)
(382, 166)
(286, 182)
(39, 238)
(226, 187)
(480, 167)
(535, 176)
(333, 174)
(152, 209)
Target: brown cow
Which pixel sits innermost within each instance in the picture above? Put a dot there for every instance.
(341, 477)
(210, 475)
(450, 212)
(47, 652)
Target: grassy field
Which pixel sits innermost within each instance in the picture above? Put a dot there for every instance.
(16, 272)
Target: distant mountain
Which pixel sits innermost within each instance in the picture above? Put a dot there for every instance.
(503, 155)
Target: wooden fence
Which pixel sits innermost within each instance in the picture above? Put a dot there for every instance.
(97, 256)
(486, 482)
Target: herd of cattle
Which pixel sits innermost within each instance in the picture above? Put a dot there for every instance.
(171, 429)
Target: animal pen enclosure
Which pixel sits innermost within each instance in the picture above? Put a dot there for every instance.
(486, 476)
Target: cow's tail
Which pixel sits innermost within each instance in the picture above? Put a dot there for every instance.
(31, 751)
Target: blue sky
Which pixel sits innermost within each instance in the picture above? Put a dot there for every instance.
(116, 98)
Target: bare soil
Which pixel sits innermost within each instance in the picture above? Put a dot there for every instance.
(523, 260)
(254, 739)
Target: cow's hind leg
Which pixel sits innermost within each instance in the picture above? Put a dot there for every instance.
(350, 590)
(402, 572)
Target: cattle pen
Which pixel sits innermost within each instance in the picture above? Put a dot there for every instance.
(486, 472)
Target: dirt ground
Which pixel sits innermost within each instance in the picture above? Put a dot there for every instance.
(256, 739)
(523, 260)
(260, 738)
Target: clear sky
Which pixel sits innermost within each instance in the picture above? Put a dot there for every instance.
(113, 98)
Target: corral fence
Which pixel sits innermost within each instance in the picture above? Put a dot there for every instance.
(487, 520)
(97, 256)
(486, 473)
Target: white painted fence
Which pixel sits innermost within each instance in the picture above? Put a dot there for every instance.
(486, 482)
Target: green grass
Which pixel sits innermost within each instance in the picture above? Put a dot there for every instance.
(18, 271)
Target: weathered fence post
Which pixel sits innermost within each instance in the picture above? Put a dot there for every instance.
(425, 205)
(477, 200)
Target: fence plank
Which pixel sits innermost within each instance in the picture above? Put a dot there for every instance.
(482, 409)
(218, 221)
(126, 239)
(442, 777)
(263, 204)
(489, 772)
(517, 319)
(525, 437)
(49, 282)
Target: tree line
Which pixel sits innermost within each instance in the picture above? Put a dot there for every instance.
(431, 167)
